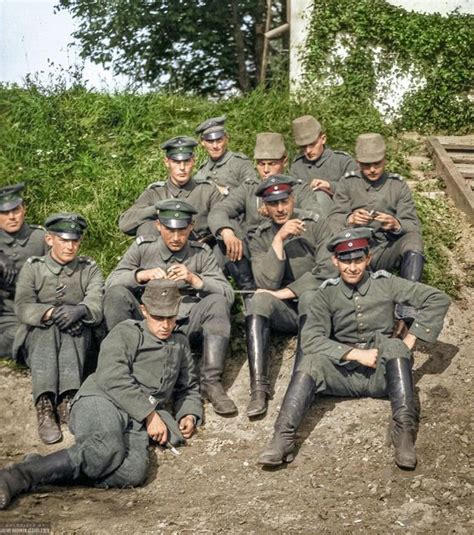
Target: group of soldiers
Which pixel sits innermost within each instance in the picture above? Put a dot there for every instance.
(310, 250)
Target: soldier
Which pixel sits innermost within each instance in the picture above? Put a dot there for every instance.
(18, 241)
(317, 164)
(142, 364)
(201, 193)
(240, 213)
(225, 168)
(58, 300)
(348, 349)
(283, 250)
(381, 200)
(204, 314)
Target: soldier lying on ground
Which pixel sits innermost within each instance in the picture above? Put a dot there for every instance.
(204, 314)
(348, 349)
(203, 194)
(58, 300)
(18, 241)
(237, 217)
(283, 250)
(142, 364)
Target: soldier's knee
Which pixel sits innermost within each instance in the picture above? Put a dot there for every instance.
(116, 295)
(138, 471)
(304, 302)
(102, 454)
(393, 348)
(262, 304)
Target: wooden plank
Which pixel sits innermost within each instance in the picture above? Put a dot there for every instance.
(456, 185)
(467, 171)
(462, 157)
(457, 142)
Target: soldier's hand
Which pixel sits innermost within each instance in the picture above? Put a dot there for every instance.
(7, 269)
(293, 227)
(234, 246)
(366, 357)
(64, 316)
(317, 183)
(179, 272)
(187, 426)
(156, 428)
(359, 217)
(388, 221)
(150, 274)
(75, 329)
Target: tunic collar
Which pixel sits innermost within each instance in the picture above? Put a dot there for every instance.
(378, 184)
(20, 237)
(167, 255)
(361, 288)
(319, 162)
(176, 191)
(221, 161)
(57, 268)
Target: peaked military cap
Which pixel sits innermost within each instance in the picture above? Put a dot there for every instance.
(275, 187)
(269, 146)
(69, 226)
(179, 148)
(212, 128)
(306, 130)
(351, 243)
(10, 197)
(174, 213)
(370, 148)
(161, 298)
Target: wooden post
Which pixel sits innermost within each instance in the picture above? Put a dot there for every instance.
(268, 22)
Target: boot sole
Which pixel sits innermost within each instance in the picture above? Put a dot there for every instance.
(260, 412)
(286, 459)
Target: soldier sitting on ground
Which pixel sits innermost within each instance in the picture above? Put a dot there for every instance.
(225, 168)
(140, 218)
(58, 300)
(241, 212)
(318, 165)
(381, 200)
(204, 314)
(348, 349)
(283, 250)
(18, 241)
(142, 365)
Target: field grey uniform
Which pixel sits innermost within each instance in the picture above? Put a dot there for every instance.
(56, 359)
(28, 241)
(140, 218)
(228, 172)
(391, 195)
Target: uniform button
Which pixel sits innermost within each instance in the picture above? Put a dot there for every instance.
(359, 314)
(416, 325)
(14, 255)
(356, 297)
(428, 330)
(14, 245)
(361, 324)
(359, 307)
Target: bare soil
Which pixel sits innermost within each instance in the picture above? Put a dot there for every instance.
(343, 479)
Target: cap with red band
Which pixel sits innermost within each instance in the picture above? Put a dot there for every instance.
(351, 242)
(275, 188)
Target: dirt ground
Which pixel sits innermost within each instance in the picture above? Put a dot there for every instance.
(343, 479)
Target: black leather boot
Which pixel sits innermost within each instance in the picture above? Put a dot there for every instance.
(37, 470)
(241, 272)
(258, 335)
(404, 412)
(297, 400)
(212, 367)
(48, 428)
(411, 269)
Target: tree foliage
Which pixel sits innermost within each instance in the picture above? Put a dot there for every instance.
(203, 46)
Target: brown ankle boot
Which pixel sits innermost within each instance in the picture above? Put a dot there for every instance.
(48, 428)
(64, 406)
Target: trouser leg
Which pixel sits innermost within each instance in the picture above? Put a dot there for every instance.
(8, 327)
(120, 304)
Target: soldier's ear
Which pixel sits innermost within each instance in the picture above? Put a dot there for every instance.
(334, 260)
(144, 311)
(323, 138)
(48, 238)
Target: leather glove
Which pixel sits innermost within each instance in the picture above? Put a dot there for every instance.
(7, 268)
(64, 316)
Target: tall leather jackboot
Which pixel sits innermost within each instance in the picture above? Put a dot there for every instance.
(37, 470)
(212, 367)
(411, 269)
(48, 428)
(241, 272)
(297, 400)
(258, 335)
(404, 412)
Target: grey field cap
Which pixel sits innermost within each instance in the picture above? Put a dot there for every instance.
(370, 148)
(306, 130)
(161, 298)
(269, 146)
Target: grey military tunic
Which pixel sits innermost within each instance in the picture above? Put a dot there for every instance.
(56, 359)
(342, 316)
(240, 209)
(304, 254)
(231, 170)
(28, 241)
(140, 218)
(137, 373)
(389, 194)
(148, 252)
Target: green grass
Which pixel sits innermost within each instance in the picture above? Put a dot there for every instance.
(95, 153)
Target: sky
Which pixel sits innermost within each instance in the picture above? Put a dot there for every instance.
(33, 39)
